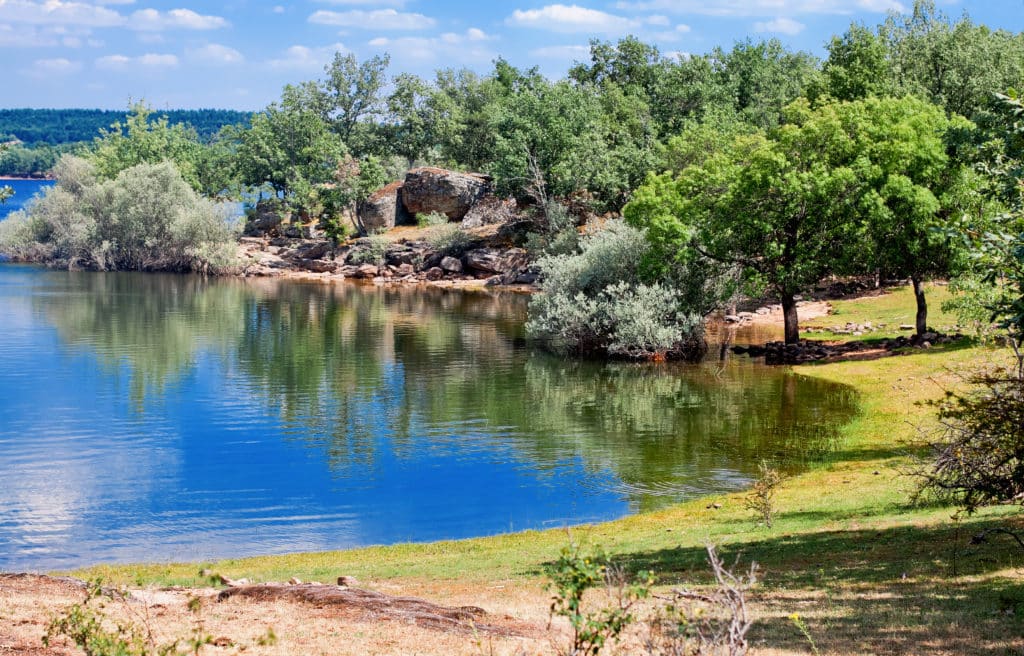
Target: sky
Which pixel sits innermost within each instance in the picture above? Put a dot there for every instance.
(238, 54)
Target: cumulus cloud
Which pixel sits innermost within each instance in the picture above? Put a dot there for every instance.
(464, 48)
(780, 26)
(378, 19)
(570, 19)
(57, 12)
(741, 8)
(25, 37)
(186, 19)
(569, 53)
(56, 66)
(217, 54)
(303, 58)
(148, 60)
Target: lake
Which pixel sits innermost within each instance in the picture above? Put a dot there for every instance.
(24, 190)
(158, 417)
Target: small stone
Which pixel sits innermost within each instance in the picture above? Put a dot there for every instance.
(435, 273)
(294, 581)
(904, 326)
(347, 581)
(451, 264)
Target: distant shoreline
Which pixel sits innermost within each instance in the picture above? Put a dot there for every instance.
(12, 178)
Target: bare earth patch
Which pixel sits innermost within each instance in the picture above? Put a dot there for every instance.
(305, 619)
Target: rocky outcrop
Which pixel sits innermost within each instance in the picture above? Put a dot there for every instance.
(384, 209)
(495, 260)
(491, 210)
(454, 194)
(266, 219)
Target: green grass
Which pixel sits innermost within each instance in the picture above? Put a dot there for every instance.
(867, 572)
(893, 307)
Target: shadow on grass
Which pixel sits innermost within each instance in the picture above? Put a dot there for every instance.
(902, 589)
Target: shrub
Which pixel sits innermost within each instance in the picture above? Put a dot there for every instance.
(371, 250)
(761, 498)
(594, 302)
(450, 240)
(147, 218)
(426, 220)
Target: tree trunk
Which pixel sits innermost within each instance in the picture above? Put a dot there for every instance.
(922, 306)
(789, 315)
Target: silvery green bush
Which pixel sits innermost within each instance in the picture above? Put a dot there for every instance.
(146, 219)
(594, 301)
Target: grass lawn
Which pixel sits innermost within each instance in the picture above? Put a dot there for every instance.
(893, 307)
(867, 572)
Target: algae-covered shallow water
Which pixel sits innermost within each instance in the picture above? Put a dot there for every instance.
(154, 418)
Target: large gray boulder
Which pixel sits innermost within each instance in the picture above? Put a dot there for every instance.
(493, 260)
(429, 189)
(384, 209)
(490, 210)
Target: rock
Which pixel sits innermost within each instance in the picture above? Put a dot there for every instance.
(490, 210)
(366, 271)
(451, 265)
(347, 581)
(517, 232)
(732, 318)
(492, 260)
(527, 278)
(429, 189)
(384, 210)
(294, 581)
(435, 273)
(313, 250)
(319, 266)
(298, 232)
(405, 270)
(905, 326)
(266, 219)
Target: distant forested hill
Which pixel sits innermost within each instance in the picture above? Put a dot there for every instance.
(62, 126)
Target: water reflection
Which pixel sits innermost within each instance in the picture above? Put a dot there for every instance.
(285, 416)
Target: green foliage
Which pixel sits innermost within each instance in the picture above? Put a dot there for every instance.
(370, 250)
(572, 576)
(146, 218)
(55, 127)
(428, 219)
(97, 634)
(449, 239)
(142, 140)
(290, 148)
(837, 187)
(977, 455)
(354, 182)
(595, 301)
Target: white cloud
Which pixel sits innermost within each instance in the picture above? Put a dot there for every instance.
(153, 20)
(57, 66)
(463, 48)
(780, 26)
(570, 53)
(217, 54)
(658, 20)
(278, 9)
(115, 2)
(378, 19)
(365, 3)
(25, 37)
(148, 60)
(302, 58)
(57, 12)
(570, 19)
(742, 8)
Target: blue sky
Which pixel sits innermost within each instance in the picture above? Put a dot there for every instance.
(239, 53)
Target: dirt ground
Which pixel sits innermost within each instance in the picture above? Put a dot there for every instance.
(517, 621)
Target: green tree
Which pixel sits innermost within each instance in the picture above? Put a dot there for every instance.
(914, 188)
(290, 148)
(858, 65)
(141, 139)
(350, 98)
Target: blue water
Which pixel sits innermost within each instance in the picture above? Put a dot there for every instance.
(155, 418)
(24, 190)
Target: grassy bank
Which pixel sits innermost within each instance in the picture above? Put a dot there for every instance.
(867, 572)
